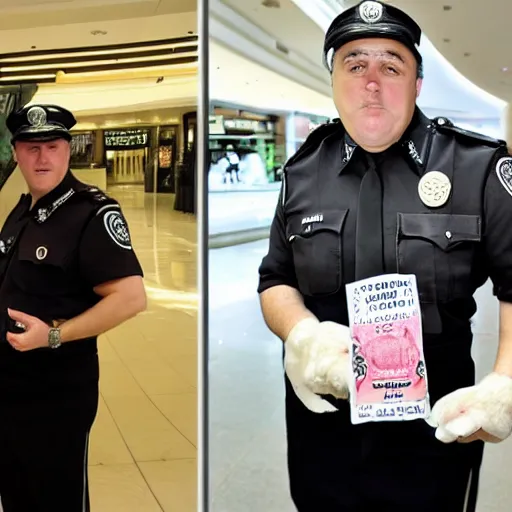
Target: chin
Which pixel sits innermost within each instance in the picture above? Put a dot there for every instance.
(375, 132)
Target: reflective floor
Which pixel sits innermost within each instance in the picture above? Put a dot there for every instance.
(247, 443)
(143, 444)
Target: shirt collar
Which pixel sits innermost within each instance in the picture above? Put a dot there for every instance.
(47, 204)
(412, 144)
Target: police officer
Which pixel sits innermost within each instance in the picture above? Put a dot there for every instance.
(383, 190)
(68, 273)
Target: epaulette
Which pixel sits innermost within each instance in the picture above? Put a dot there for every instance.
(95, 195)
(444, 124)
(313, 139)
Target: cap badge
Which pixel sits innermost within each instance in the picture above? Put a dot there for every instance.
(37, 116)
(370, 12)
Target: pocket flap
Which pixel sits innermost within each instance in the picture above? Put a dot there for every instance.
(309, 225)
(444, 230)
(41, 253)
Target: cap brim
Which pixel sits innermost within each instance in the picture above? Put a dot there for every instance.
(41, 134)
(363, 31)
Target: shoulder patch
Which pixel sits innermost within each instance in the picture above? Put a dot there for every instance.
(504, 173)
(444, 124)
(313, 139)
(115, 225)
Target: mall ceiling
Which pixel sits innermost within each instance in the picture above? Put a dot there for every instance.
(44, 24)
(472, 35)
(288, 25)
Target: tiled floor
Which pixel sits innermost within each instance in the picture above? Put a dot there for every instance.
(247, 441)
(143, 444)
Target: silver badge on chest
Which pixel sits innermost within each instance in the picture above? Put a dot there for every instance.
(370, 12)
(434, 189)
(41, 252)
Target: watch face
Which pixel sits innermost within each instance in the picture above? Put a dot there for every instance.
(54, 338)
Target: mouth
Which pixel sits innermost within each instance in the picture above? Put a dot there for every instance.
(42, 171)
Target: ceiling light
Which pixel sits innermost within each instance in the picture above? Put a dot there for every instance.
(95, 53)
(504, 69)
(447, 7)
(467, 54)
(446, 40)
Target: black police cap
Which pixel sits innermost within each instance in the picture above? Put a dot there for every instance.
(40, 123)
(371, 19)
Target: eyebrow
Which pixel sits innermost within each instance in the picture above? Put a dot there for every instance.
(358, 52)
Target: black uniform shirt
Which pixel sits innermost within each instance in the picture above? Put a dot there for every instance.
(51, 257)
(451, 250)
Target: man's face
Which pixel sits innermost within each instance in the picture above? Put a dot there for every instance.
(375, 89)
(43, 164)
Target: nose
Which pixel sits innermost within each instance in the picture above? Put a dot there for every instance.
(373, 84)
(43, 155)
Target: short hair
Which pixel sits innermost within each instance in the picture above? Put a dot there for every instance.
(419, 71)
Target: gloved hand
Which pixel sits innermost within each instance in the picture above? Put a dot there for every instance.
(486, 406)
(317, 361)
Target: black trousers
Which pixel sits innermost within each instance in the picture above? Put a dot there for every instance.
(43, 452)
(48, 404)
(335, 466)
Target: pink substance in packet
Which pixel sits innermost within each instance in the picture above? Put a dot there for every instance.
(388, 363)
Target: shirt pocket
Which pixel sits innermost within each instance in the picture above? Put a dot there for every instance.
(318, 252)
(440, 249)
(43, 268)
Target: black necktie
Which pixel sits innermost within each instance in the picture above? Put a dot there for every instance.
(369, 250)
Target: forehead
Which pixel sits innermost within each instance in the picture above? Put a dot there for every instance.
(39, 144)
(377, 46)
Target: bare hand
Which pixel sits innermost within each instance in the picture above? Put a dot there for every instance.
(35, 335)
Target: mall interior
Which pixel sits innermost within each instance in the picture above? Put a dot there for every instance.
(128, 71)
(268, 89)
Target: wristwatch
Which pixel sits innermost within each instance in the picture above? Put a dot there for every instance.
(54, 340)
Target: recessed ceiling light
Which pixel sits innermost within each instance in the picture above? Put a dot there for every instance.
(446, 40)
(447, 7)
(467, 54)
(504, 69)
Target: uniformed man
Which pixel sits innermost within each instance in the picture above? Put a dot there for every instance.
(386, 190)
(68, 273)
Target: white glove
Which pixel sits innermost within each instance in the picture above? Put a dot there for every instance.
(486, 406)
(317, 361)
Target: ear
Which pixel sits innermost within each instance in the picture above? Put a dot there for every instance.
(419, 83)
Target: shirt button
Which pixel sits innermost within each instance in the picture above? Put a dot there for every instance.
(448, 234)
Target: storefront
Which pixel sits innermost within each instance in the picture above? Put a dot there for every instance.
(126, 155)
(257, 139)
(142, 154)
